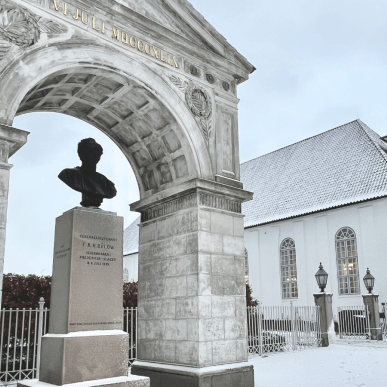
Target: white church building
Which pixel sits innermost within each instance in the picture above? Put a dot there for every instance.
(131, 238)
(323, 199)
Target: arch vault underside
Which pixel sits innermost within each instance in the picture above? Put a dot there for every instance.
(130, 115)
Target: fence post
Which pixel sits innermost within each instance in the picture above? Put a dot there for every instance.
(40, 332)
(260, 343)
(371, 301)
(324, 301)
(292, 325)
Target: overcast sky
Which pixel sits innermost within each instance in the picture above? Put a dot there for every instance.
(320, 64)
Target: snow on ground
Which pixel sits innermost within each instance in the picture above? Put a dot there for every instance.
(352, 364)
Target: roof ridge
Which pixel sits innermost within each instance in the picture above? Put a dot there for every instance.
(366, 129)
(298, 142)
(344, 165)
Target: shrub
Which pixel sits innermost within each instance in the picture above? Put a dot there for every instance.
(130, 294)
(21, 291)
(250, 301)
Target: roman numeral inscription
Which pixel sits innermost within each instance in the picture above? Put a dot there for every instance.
(117, 35)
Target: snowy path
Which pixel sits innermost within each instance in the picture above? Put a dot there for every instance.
(340, 365)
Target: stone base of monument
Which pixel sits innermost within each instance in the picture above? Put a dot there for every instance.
(86, 346)
(121, 381)
(80, 356)
(163, 375)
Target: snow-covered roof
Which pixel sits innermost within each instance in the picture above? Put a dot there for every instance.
(344, 165)
(131, 238)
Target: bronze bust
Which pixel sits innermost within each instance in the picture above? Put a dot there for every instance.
(85, 179)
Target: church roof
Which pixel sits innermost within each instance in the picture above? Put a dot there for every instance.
(131, 238)
(344, 165)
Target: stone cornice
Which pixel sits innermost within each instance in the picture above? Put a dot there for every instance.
(191, 200)
(16, 138)
(5, 166)
(200, 24)
(207, 193)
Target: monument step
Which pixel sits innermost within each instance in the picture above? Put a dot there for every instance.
(224, 375)
(122, 381)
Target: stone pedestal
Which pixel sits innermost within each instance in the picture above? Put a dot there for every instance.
(324, 301)
(192, 324)
(228, 375)
(124, 381)
(11, 140)
(372, 303)
(85, 343)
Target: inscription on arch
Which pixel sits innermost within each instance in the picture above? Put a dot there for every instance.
(118, 35)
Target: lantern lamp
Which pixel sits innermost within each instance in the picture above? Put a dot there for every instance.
(369, 281)
(321, 278)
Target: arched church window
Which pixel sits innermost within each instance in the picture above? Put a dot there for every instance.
(126, 275)
(246, 266)
(289, 269)
(347, 261)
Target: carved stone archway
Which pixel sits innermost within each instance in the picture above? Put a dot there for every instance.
(157, 79)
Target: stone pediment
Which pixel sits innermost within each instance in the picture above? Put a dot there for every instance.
(173, 24)
(182, 18)
(160, 12)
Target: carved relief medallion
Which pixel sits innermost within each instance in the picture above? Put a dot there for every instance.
(210, 78)
(199, 103)
(194, 71)
(226, 86)
(22, 28)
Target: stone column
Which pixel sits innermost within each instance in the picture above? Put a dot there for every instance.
(192, 327)
(11, 140)
(372, 303)
(324, 301)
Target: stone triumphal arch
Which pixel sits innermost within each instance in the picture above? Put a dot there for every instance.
(158, 79)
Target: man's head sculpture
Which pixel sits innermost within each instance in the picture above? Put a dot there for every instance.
(89, 151)
(85, 179)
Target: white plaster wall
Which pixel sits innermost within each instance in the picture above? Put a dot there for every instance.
(131, 263)
(314, 236)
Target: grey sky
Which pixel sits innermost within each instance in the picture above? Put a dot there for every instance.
(320, 64)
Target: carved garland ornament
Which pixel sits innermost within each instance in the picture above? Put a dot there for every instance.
(199, 102)
(20, 27)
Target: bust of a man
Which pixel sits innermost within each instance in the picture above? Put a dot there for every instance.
(85, 179)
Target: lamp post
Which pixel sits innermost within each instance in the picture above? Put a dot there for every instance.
(324, 301)
(321, 278)
(369, 281)
(371, 302)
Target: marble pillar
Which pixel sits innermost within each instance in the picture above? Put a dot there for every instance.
(192, 325)
(11, 140)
